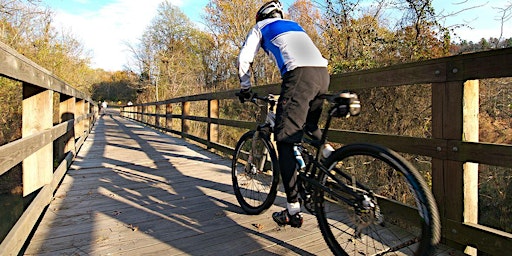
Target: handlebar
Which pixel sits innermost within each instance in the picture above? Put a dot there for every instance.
(268, 99)
(345, 103)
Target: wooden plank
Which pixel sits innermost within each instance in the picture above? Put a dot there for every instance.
(13, 153)
(66, 143)
(14, 241)
(80, 117)
(168, 116)
(405, 74)
(479, 152)
(156, 203)
(37, 116)
(480, 65)
(421, 146)
(470, 132)
(485, 239)
(438, 182)
(213, 128)
(185, 124)
(16, 66)
(17, 236)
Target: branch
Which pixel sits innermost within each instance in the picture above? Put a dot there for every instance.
(506, 14)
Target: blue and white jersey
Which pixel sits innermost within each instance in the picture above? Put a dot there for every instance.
(284, 41)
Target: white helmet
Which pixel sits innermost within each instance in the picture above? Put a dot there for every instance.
(272, 9)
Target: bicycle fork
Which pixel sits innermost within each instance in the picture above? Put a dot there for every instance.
(256, 162)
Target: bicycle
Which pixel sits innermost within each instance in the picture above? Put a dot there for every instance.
(368, 200)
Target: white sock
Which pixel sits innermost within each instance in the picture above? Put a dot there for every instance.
(293, 208)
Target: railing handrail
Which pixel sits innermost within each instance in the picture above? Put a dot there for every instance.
(35, 148)
(452, 81)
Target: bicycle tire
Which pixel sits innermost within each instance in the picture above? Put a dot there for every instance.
(411, 227)
(255, 187)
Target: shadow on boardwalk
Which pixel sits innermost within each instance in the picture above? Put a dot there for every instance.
(135, 191)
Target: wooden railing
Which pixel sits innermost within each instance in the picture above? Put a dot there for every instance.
(35, 150)
(454, 146)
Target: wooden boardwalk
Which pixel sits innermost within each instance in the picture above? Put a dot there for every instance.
(135, 191)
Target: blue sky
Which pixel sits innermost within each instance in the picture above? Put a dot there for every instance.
(105, 27)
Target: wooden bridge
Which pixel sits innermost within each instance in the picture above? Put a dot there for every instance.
(106, 184)
(136, 191)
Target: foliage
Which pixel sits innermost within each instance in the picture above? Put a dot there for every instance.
(28, 28)
(483, 45)
(229, 22)
(10, 111)
(116, 86)
(361, 37)
(170, 55)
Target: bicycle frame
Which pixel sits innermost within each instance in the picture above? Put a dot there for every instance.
(314, 165)
(328, 186)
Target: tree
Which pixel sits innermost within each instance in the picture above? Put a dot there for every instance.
(423, 35)
(116, 86)
(28, 28)
(310, 18)
(366, 36)
(168, 55)
(505, 15)
(229, 22)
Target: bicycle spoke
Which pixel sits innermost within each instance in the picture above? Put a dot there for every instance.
(376, 213)
(254, 179)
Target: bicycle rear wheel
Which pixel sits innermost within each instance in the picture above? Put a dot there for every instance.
(254, 171)
(395, 213)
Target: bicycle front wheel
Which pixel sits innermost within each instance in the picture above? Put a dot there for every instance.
(393, 210)
(254, 171)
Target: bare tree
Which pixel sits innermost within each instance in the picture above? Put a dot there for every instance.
(505, 15)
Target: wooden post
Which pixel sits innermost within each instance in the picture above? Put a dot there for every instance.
(143, 114)
(157, 115)
(37, 116)
(470, 133)
(79, 112)
(160, 109)
(151, 110)
(168, 116)
(185, 124)
(87, 121)
(455, 117)
(446, 174)
(213, 128)
(66, 113)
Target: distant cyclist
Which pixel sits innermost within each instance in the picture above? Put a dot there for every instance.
(304, 77)
(104, 106)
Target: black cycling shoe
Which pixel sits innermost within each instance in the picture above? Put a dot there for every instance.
(284, 218)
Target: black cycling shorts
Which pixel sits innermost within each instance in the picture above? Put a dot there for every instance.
(298, 104)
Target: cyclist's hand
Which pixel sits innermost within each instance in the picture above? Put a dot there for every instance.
(245, 94)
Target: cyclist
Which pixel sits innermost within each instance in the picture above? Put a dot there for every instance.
(304, 76)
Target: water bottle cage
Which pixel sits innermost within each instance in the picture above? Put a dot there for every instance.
(345, 105)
